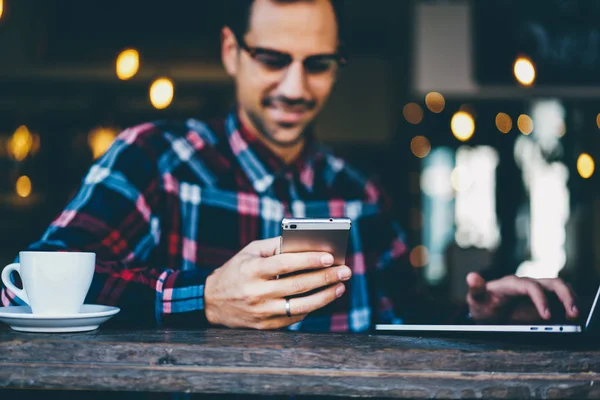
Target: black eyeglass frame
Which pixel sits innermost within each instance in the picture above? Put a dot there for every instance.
(338, 57)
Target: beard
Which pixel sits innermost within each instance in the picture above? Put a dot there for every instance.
(267, 133)
(270, 133)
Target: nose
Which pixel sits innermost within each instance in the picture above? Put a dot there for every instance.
(293, 84)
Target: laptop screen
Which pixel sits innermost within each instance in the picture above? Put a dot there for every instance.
(592, 319)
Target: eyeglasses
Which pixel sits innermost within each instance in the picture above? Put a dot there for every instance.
(274, 60)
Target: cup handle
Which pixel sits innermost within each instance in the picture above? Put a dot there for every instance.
(7, 282)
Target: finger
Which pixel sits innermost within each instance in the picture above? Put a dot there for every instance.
(293, 262)
(575, 297)
(307, 281)
(537, 296)
(477, 286)
(520, 286)
(564, 294)
(307, 304)
(265, 247)
(279, 322)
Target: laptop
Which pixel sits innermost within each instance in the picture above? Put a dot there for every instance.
(593, 315)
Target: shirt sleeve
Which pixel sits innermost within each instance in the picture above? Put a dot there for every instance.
(117, 213)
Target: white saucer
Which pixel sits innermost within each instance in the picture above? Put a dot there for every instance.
(89, 318)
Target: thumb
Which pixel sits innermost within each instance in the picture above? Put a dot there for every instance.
(265, 247)
(477, 285)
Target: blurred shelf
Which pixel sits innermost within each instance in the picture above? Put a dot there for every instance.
(475, 92)
(14, 202)
(189, 73)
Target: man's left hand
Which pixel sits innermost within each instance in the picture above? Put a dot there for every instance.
(498, 301)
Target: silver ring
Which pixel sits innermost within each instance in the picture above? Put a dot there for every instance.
(287, 308)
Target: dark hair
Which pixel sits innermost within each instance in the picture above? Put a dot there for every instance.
(237, 15)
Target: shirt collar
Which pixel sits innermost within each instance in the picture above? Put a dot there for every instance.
(262, 166)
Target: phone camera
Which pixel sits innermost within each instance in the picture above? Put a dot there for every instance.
(330, 219)
(293, 226)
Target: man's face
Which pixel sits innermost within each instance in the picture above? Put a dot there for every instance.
(286, 67)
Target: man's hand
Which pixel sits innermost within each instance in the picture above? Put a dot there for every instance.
(498, 300)
(245, 291)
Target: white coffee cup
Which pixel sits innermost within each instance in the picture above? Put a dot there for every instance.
(54, 282)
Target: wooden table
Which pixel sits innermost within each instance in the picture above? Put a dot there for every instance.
(251, 362)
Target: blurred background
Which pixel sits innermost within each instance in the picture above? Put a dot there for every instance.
(481, 118)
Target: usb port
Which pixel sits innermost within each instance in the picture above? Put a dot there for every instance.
(534, 328)
(548, 328)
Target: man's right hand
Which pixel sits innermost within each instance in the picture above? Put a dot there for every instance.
(245, 291)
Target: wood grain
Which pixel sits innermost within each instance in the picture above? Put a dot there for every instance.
(270, 363)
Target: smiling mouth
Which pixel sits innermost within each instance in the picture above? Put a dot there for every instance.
(287, 117)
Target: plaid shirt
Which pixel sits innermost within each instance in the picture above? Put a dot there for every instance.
(170, 202)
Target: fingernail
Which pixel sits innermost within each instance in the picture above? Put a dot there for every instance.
(575, 310)
(547, 313)
(339, 291)
(344, 273)
(327, 260)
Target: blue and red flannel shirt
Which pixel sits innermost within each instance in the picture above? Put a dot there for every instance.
(171, 201)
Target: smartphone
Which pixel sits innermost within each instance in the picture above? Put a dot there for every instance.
(316, 234)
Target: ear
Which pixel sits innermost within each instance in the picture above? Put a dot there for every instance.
(229, 51)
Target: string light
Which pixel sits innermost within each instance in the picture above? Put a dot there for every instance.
(585, 165)
(413, 113)
(20, 143)
(525, 124)
(1, 8)
(419, 256)
(128, 64)
(161, 93)
(462, 125)
(23, 186)
(524, 71)
(435, 102)
(503, 122)
(100, 140)
(420, 146)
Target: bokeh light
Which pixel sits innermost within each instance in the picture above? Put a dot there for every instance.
(419, 256)
(128, 64)
(462, 125)
(23, 186)
(435, 102)
(524, 71)
(525, 124)
(585, 165)
(420, 146)
(413, 113)
(161, 93)
(100, 140)
(503, 122)
(20, 143)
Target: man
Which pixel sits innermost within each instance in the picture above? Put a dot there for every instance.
(184, 216)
